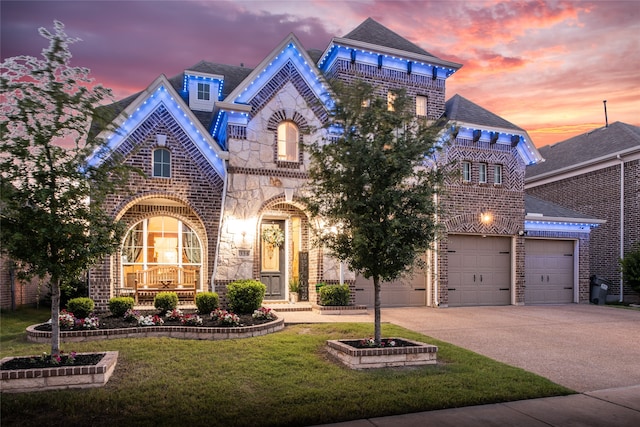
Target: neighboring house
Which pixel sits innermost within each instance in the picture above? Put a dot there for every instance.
(598, 174)
(221, 149)
(15, 292)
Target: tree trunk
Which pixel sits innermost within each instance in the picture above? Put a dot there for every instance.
(55, 314)
(376, 309)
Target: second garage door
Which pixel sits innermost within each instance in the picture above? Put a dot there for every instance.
(479, 270)
(548, 271)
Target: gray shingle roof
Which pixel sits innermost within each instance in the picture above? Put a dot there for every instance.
(535, 205)
(460, 109)
(598, 143)
(373, 32)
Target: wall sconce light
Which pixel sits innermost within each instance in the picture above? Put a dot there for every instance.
(493, 137)
(476, 135)
(161, 140)
(486, 217)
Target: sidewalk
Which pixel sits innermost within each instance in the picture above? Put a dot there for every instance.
(604, 408)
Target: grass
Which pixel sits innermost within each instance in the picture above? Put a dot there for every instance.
(282, 379)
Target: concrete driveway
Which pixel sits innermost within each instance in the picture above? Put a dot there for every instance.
(582, 347)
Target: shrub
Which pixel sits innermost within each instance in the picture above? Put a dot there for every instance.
(334, 295)
(206, 302)
(245, 296)
(630, 266)
(118, 306)
(81, 307)
(165, 301)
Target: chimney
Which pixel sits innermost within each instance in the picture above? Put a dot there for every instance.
(606, 119)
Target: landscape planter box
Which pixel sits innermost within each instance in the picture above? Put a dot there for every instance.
(58, 377)
(414, 354)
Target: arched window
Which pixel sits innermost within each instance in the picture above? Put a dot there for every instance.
(160, 241)
(288, 141)
(161, 163)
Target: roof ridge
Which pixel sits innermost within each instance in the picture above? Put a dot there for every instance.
(373, 32)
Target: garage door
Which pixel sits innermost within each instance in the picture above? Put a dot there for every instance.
(548, 271)
(479, 270)
(406, 292)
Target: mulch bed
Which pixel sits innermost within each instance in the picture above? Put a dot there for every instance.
(35, 362)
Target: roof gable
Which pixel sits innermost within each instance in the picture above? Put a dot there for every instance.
(160, 93)
(288, 52)
(476, 123)
(587, 149)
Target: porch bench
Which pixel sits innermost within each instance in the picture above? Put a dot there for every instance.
(150, 282)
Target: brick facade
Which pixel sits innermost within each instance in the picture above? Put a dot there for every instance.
(194, 191)
(597, 193)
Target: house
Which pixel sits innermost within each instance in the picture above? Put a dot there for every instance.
(597, 173)
(221, 149)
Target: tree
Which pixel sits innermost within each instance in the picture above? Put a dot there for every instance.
(630, 267)
(374, 184)
(51, 198)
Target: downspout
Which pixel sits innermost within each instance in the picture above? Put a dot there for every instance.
(621, 222)
(436, 272)
(220, 223)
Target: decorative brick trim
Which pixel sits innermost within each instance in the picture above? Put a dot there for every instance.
(269, 172)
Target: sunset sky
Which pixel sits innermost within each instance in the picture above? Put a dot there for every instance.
(544, 65)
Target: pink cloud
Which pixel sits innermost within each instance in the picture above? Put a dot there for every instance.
(544, 65)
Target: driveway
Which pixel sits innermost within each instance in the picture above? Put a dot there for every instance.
(582, 347)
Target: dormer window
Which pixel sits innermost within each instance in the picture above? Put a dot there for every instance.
(161, 163)
(204, 91)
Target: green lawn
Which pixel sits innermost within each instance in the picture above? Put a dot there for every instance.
(282, 379)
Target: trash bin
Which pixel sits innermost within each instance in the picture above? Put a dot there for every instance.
(599, 289)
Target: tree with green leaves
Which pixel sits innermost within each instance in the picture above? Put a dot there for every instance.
(51, 198)
(373, 184)
(630, 267)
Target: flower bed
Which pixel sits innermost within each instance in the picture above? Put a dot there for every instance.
(361, 354)
(87, 370)
(220, 324)
(166, 330)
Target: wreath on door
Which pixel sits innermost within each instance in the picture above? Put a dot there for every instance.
(273, 236)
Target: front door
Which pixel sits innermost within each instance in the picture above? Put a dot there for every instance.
(272, 259)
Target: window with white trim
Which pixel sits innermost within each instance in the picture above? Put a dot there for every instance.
(421, 106)
(204, 91)
(161, 163)
(482, 173)
(288, 141)
(466, 171)
(497, 174)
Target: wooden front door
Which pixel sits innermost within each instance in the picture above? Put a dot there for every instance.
(273, 262)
